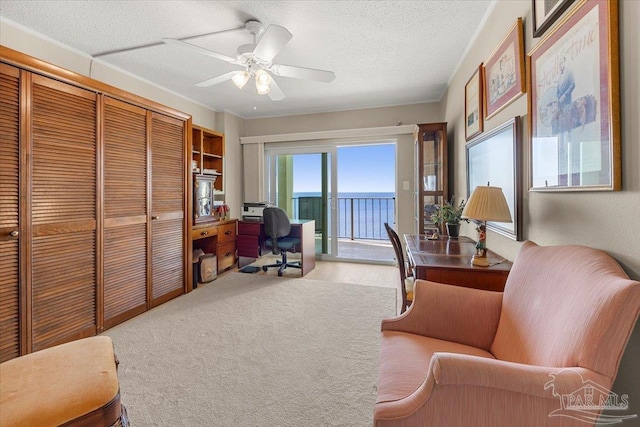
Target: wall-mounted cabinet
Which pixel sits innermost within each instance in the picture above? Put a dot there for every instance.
(207, 158)
(431, 185)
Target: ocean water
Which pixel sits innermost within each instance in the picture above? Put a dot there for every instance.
(360, 215)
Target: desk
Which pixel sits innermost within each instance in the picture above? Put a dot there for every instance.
(251, 238)
(449, 261)
(217, 237)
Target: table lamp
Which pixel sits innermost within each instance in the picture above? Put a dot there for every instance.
(485, 204)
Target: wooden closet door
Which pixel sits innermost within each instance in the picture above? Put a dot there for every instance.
(168, 230)
(9, 213)
(63, 212)
(125, 211)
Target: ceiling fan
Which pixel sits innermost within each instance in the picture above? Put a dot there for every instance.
(257, 60)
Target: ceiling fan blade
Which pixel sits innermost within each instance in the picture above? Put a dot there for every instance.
(275, 93)
(216, 80)
(271, 42)
(302, 73)
(199, 49)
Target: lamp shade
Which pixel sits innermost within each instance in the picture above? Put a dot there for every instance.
(262, 89)
(262, 77)
(240, 79)
(487, 204)
(262, 82)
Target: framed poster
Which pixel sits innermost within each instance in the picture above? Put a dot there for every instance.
(574, 102)
(473, 105)
(504, 72)
(495, 158)
(546, 12)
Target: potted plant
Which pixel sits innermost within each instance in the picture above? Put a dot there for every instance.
(451, 215)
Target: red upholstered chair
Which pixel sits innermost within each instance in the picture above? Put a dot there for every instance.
(468, 357)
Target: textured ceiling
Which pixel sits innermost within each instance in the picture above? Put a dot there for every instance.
(382, 52)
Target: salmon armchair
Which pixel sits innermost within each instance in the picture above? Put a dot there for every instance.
(522, 357)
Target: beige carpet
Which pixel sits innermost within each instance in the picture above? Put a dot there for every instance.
(255, 350)
(269, 259)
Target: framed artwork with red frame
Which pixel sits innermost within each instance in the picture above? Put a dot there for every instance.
(574, 102)
(504, 72)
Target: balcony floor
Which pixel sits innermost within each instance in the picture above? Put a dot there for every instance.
(362, 250)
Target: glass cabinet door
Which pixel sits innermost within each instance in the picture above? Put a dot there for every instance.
(203, 196)
(431, 173)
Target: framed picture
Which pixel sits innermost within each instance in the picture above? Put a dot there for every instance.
(495, 158)
(574, 102)
(473, 105)
(504, 72)
(546, 12)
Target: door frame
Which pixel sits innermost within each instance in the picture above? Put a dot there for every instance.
(271, 155)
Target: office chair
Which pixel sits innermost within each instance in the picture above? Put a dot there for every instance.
(277, 226)
(406, 275)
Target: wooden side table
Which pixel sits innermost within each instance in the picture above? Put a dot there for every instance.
(448, 261)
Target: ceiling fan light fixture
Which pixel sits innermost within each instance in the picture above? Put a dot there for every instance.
(262, 77)
(240, 79)
(257, 60)
(262, 89)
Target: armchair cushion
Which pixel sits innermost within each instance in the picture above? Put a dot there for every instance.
(404, 375)
(71, 383)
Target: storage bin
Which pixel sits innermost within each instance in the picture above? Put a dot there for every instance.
(208, 268)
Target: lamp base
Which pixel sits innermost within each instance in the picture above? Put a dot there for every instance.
(480, 261)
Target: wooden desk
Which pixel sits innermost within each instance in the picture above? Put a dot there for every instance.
(251, 238)
(217, 237)
(449, 261)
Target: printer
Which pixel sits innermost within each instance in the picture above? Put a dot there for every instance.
(252, 211)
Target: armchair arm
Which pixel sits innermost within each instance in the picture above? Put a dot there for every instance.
(452, 313)
(540, 381)
(456, 381)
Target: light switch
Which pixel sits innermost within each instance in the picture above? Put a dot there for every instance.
(405, 185)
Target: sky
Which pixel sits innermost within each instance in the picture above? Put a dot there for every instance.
(361, 169)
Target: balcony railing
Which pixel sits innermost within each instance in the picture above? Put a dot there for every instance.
(358, 217)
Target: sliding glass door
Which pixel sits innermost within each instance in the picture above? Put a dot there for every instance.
(303, 182)
(349, 190)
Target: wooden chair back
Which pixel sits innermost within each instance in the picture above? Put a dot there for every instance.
(402, 266)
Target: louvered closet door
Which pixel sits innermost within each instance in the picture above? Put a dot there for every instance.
(9, 213)
(63, 213)
(125, 211)
(167, 207)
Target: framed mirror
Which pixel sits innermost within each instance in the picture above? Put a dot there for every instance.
(495, 158)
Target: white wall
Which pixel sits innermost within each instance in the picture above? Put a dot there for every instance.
(597, 219)
(233, 127)
(350, 119)
(602, 220)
